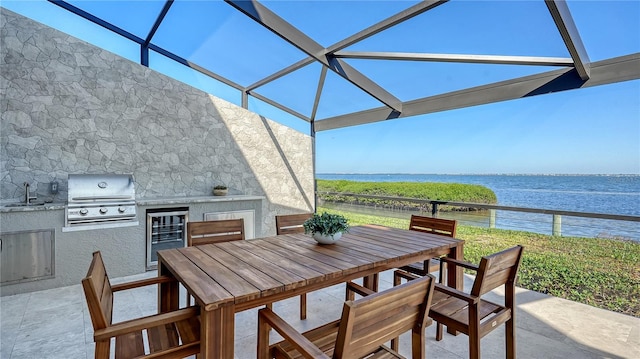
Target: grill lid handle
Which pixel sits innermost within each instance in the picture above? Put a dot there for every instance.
(99, 197)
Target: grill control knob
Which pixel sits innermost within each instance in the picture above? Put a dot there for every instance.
(84, 211)
(103, 210)
(121, 209)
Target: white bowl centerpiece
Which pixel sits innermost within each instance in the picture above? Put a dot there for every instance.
(326, 228)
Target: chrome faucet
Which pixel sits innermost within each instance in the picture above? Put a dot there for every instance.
(27, 193)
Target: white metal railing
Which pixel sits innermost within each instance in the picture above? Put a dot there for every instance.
(547, 221)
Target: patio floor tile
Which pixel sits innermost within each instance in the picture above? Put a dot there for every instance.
(55, 323)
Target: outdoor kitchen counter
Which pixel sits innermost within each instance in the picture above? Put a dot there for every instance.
(14, 207)
(125, 245)
(198, 199)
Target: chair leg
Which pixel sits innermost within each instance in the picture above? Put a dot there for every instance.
(371, 282)
(102, 349)
(350, 295)
(511, 339)
(396, 280)
(442, 273)
(303, 306)
(263, 337)
(474, 346)
(395, 343)
(270, 307)
(418, 344)
(474, 332)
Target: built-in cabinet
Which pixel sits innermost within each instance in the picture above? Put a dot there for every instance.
(26, 256)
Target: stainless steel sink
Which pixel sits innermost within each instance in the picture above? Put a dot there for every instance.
(32, 204)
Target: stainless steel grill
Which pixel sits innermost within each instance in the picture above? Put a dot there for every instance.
(100, 201)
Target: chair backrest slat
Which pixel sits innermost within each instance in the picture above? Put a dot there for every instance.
(445, 227)
(98, 293)
(291, 223)
(373, 320)
(207, 232)
(496, 270)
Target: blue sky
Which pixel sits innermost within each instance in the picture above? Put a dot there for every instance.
(593, 130)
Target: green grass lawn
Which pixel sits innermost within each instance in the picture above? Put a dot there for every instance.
(599, 272)
(416, 190)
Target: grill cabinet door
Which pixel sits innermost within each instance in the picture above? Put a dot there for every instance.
(26, 256)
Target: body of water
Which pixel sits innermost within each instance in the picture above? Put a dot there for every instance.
(610, 194)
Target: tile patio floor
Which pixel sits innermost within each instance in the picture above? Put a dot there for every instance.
(56, 324)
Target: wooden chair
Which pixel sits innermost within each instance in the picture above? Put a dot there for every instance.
(365, 326)
(214, 231)
(445, 227)
(472, 315)
(292, 223)
(169, 335)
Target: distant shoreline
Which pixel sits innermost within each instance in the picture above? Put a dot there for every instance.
(608, 194)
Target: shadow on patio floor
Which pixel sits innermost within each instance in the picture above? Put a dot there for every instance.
(56, 324)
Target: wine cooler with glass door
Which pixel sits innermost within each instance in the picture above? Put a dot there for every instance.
(166, 228)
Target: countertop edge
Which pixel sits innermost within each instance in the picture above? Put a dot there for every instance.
(33, 208)
(201, 199)
(141, 202)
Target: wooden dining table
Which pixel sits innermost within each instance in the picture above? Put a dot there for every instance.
(230, 277)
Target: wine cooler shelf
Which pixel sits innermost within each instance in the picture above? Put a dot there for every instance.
(166, 228)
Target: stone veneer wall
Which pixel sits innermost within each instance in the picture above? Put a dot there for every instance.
(70, 107)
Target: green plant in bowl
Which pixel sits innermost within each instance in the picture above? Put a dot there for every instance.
(326, 228)
(220, 190)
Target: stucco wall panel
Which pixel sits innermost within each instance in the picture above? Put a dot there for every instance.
(71, 107)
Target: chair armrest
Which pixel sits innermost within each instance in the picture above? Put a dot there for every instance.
(145, 322)
(360, 290)
(297, 340)
(406, 275)
(459, 263)
(142, 283)
(456, 293)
